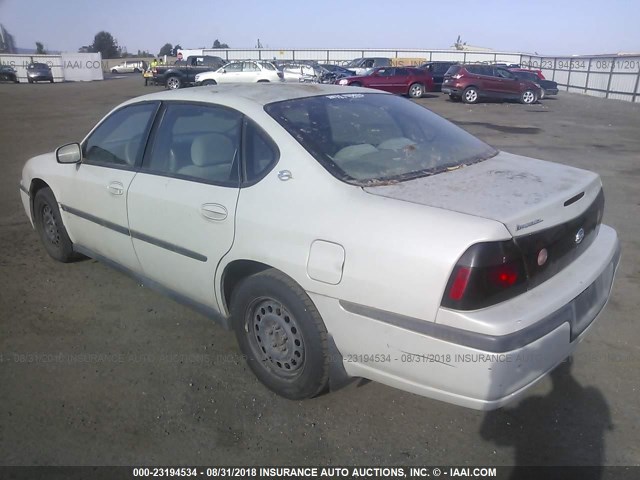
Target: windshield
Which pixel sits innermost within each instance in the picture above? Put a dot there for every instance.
(373, 138)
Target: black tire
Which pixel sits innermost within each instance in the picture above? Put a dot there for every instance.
(136, 70)
(51, 81)
(470, 95)
(50, 227)
(29, 80)
(528, 97)
(281, 334)
(208, 83)
(174, 83)
(113, 70)
(416, 90)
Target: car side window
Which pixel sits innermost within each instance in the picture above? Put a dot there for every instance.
(386, 72)
(260, 152)
(197, 142)
(250, 67)
(234, 67)
(402, 71)
(119, 140)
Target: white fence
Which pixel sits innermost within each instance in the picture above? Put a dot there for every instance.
(343, 55)
(616, 77)
(66, 67)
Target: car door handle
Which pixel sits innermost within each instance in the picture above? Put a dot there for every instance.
(115, 188)
(214, 211)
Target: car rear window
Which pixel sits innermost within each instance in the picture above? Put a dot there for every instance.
(453, 70)
(367, 139)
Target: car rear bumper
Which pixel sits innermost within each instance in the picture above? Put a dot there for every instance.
(471, 369)
(451, 90)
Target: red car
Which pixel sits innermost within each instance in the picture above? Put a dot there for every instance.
(407, 81)
(537, 72)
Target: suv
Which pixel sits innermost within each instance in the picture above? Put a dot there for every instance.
(39, 72)
(472, 82)
(361, 65)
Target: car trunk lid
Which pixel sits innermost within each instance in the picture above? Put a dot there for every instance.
(524, 194)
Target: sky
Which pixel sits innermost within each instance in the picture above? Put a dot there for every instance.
(546, 27)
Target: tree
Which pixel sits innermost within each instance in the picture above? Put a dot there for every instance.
(217, 44)
(174, 52)
(166, 49)
(40, 49)
(104, 43)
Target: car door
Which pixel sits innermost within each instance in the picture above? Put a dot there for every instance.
(250, 72)
(383, 79)
(182, 203)
(506, 83)
(231, 73)
(401, 80)
(93, 199)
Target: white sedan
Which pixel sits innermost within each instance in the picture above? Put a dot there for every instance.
(341, 232)
(247, 71)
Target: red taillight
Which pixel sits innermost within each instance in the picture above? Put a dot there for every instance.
(459, 283)
(503, 276)
(487, 273)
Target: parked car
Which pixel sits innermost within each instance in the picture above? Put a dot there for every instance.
(184, 74)
(8, 74)
(246, 71)
(337, 69)
(518, 69)
(309, 72)
(333, 73)
(340, 232)
(547, 87)
(472, 82)
(404, 80)
(39, 72)
(437, 71)
(362, 65)
(130, 66)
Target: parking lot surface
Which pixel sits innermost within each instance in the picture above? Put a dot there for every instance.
(96, 369)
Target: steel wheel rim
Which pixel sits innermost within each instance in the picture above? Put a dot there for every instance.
(416, 91)
(528, 97)
(173, 83)
(471, 96)
(50, 226)
(275, 338)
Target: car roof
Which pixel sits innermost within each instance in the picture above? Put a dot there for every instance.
(256, 94)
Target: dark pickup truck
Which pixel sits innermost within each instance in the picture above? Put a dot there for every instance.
(183, 73)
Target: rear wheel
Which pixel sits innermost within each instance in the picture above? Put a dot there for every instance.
(173, 83)
(113, 70)
(416, 90)
(470, 95)
(50, 227)
(528, 97)
(281, 334)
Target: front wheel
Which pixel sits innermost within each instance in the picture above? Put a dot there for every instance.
(528, 97)
(49, 226)
(416, 90)
(208, 83)
(281, 334)
(113, 70)
(173, 83)
(470, 95)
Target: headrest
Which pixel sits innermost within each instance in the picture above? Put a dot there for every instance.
(211, 149)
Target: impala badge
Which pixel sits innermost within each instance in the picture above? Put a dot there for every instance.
(579, 236)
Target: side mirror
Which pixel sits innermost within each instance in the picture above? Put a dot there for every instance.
(70, 153)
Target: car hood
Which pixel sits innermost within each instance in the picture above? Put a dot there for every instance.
(524, 194)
